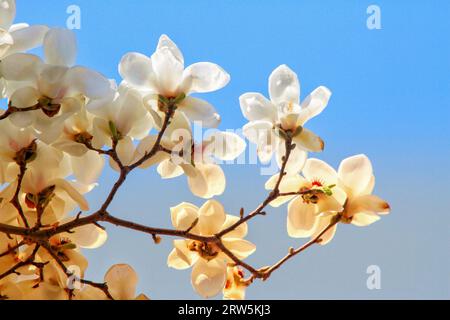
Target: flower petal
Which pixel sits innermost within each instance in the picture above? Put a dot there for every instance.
(324, 222)
(296, 159)
(60, 47)
(309, 141)
(88, 82)
(224, 145)
(211, 217)
(208, 277)
(168, 170)
(88, 236)
(136, 69)
(255, 106)
(168, 71)
(355, 173)
(208, 181)
(181, 257)
(72, 193)
(183, 215)
(198, 110)
(20, 67)
(27, 38)
(284, 85)
(302, 219)
(314, 104)
(290, 183)
(7, 13)
(239, 247)
(204, 77)
(239, 232)
(260, 133)
(122, 281)
(318, 169)
(88, 167)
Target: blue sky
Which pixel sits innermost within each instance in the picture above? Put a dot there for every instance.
(390, 101)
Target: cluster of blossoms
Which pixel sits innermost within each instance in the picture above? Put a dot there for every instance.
(62, 121)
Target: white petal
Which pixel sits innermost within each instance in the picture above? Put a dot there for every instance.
(88, 167)
(125, 150)
(28, 38)
(7, 13)
(314, 104)
(211, 217)
(309, 141)
(255, 106)
(224, 145)
(60, 47)
(208, 278)
(205, 77)
(368, 204)
(363, 219)
(183, 215)
(166, 42)
(239, 232)
(302, 219)
(20, 67)
(209, 181)
(318, 169)
(284, 85)
(122, 281)
(289, 183)
(260, 133)
(356, 173)
(90, 83)
(25, 97)
(136, 69)
(198, 110)
(325, 221)
(168, 71)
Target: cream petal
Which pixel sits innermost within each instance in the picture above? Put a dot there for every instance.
(88, 236)
(181, 257)
(314, 104)
(198, 110)
(284, 85)
(260, 133)
(309, 141)
(7, 13)
(362, 219)
(255, 106)
(239, 232)
(208, 277)
(211, 217)
(27, 38)
(122, 281)
(125, 150)
(183, 215)
(25, 97)
(168, 170)
(318, 169)
(209, 181)
(302, 219)
(290, 183)
(356, 173)
(88, 82)
(88, 167)
(136, 69)
(239, 247)
(296, 160)
(367, 203)
(323, 222)
(224, 145)
(205, 77)
(71, 192)
(60, 47)
(20, 67)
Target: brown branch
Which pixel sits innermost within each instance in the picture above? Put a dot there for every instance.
(15, 200)
(12, 110)
(12, 249)
(20, 264)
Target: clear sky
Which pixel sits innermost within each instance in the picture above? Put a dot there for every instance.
(391, 101)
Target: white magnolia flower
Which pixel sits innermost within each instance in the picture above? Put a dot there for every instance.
(123, 113)
(164, 74)
(236, 285)
(56, 89)
(209, 263)
(282, 115)
(354, 185)
(17, 37)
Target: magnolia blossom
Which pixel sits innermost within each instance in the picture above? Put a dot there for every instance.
(209, 263)
(55, 89)
(271, 121)
(17, 37)
(235, 285)
(163, 74)
(351, 198)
